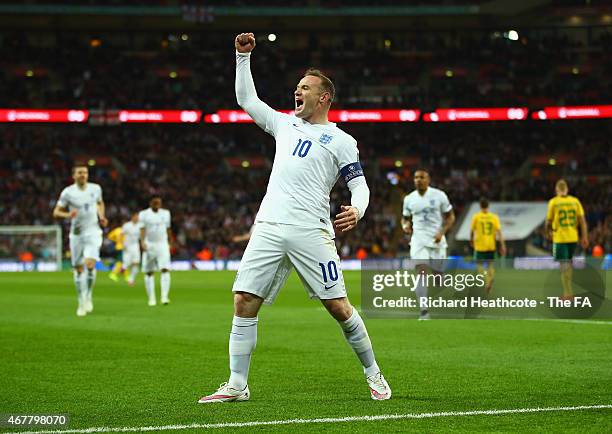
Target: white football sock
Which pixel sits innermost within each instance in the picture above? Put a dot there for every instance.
(150, 286)
(133, 273)
(357, 337)
(91, 280)
(79, 285)
(421, 292)
(165, 285)
(242, 341)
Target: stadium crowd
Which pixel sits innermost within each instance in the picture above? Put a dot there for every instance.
(371, 69)
(213, 199)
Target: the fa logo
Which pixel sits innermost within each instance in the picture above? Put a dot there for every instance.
(432, 202)
(325, 139)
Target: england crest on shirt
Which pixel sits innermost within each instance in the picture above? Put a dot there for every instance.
(325, 139)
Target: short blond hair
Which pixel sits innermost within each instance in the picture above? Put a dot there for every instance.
(326, 83)
(561, 185)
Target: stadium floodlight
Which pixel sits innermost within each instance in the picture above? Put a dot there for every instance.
(272, 37)
(513, 35)
(31, 248)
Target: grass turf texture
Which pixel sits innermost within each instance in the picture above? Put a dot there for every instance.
(131, 365)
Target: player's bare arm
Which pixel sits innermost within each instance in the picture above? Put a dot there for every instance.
(449, 220)
(143, 245)
(59, 212)
(170, 238)
(407, 225)
(102, 213)
(584, 233)
(245, 42)
(502, 243)
(548, 229)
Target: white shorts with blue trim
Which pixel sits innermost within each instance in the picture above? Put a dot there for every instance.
(275, 249)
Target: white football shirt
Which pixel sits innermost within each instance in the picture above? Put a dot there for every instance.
(85, 201)
(131, 233)
(155, 224)
(308, 161)
(426, 211)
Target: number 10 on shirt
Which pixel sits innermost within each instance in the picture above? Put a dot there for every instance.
(302, 148)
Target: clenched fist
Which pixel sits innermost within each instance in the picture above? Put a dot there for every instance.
(245, 42)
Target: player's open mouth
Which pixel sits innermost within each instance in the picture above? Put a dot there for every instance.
(298, 103)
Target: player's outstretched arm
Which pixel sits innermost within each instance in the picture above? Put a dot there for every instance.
(246, 94)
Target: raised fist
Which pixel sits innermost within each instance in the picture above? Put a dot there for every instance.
(245, 42)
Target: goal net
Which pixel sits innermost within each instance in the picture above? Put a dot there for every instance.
(30, 248)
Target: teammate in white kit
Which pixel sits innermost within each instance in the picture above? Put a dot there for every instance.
(82, 204)
(131, 247)
(427, 215)
(293, 228)
(155, 232)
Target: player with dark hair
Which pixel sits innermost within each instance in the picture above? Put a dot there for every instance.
(293, 228)
(82, 204)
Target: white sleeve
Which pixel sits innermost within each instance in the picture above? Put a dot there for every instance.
(247, 98)
(360, 194)
(63, 200)
(445, 205)
(168, 224)
(406, 209)
(99, 199)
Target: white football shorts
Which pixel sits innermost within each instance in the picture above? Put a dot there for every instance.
(131, 255)
(424, 255)
(156, 257)
(86, 246)
(275, 248)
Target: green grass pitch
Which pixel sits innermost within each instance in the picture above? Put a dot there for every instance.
(128, 364)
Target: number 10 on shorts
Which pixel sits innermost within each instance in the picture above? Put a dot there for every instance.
(329, 270)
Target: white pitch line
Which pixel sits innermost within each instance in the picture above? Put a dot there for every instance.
(319, 420)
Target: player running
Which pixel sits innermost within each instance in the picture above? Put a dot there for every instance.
(155, 233)
(131, 247)
(427, 215)
(82, 204)
(116, 236)
(484, 229)
(564, 216)
(292, 226)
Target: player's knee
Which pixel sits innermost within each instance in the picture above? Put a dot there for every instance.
(339, 308)
(246, 305)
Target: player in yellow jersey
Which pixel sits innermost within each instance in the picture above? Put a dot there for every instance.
(484, 231)
(116, 236)
(564, 216)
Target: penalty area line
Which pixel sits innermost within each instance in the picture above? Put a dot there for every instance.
(494, 412)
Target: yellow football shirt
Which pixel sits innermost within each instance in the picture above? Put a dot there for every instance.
(485, 225)
(116, 236)
(564, 212)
